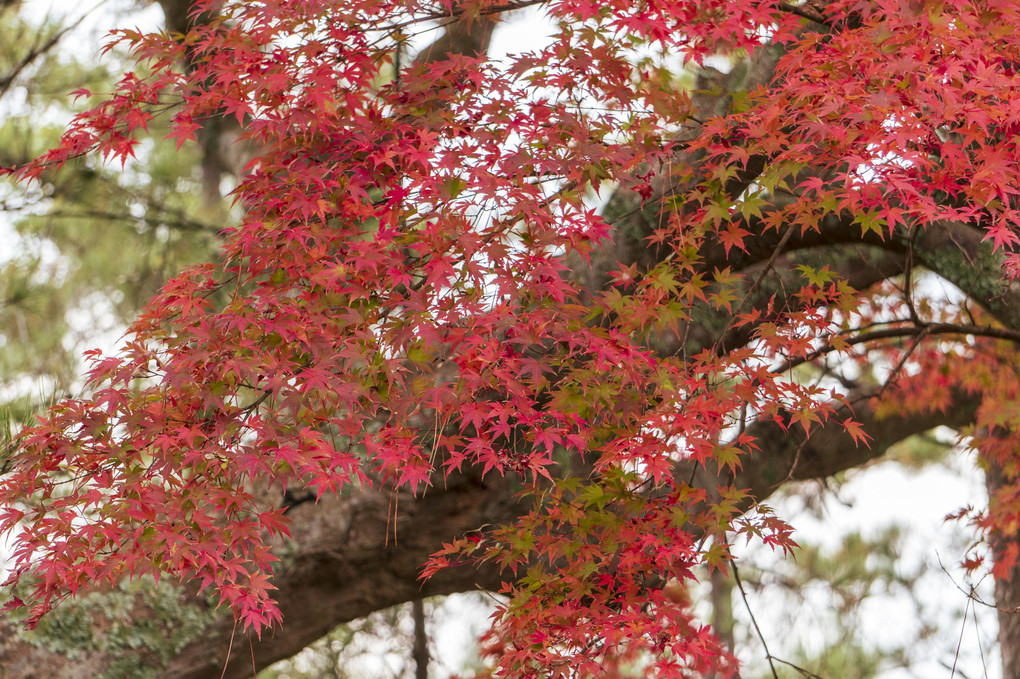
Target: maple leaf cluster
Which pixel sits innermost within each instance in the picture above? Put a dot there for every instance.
(407, 295)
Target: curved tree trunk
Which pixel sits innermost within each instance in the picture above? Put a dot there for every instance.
(351, 557)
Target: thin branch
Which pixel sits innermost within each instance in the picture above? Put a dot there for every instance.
(798, 668)
(906, 331)
(457, 12)
(908, 275)
(768, 655)
(36, 51)
(903, 361)
(972, 594)
(757, 282)
(980, 645)
(182, 223)
(796, 459)
(959, 642)
(761, 637)
(804, 14)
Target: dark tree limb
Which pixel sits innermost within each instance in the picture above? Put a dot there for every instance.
(420, 651)
(351, 557)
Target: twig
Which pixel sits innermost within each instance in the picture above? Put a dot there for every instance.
(226, 660)
(761, 637)
(908, 275)
(757, 282)
(903, 360)
(768, 655)
(972, 595)
(800, 11)
(959, 643)
(36, 51)
(251, 648)
(907, 331)
(977, 634)
(796, 459)
(456, 12)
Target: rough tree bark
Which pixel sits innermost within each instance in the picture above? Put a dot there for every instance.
(354, 554)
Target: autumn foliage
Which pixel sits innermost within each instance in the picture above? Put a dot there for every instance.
(417, 289)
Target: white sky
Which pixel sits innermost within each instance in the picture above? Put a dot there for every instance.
(872, 499)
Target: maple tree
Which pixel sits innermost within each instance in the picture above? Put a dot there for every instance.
(584, 308)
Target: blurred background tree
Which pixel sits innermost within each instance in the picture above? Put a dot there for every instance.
(82, 252)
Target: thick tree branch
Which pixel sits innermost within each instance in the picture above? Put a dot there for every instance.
(357, 554)
(349, 556)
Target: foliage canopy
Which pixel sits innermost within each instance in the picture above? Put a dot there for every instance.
(570, 266)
